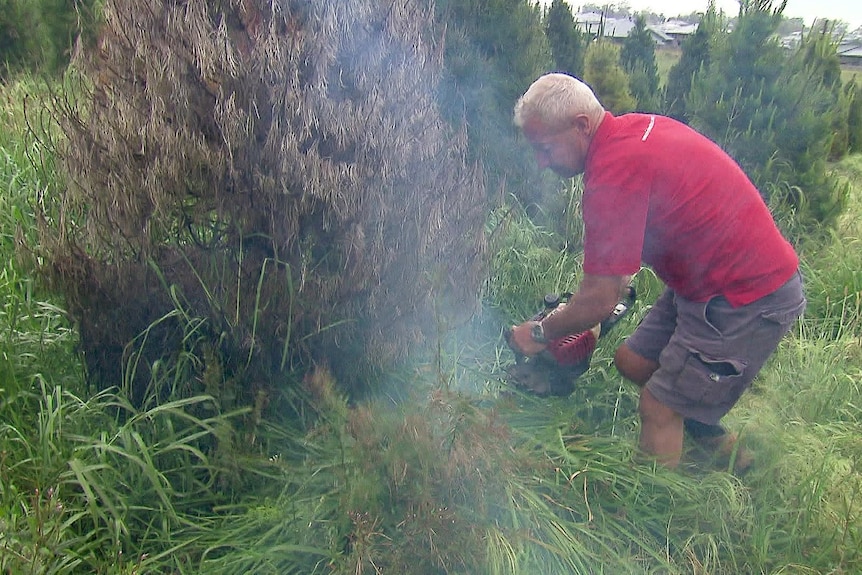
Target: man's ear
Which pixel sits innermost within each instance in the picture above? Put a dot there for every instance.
(581, 123)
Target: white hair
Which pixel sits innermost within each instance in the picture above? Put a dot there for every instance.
(554, 98)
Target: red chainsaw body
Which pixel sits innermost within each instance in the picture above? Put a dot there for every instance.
(573, 349)
(554, 370)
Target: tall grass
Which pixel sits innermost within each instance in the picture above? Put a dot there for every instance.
(449, 471)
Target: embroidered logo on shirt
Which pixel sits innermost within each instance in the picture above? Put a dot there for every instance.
(649, 128)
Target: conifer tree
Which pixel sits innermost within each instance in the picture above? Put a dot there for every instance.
(494, 50)
(40, 34)
(603, 73)
(773, 113)
(854, 116)
(10, 41)
(280, 172)
(695, 57)
(818, 56)
(568, 44)
(638, 59)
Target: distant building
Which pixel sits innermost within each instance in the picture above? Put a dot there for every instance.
(850, 54)
(678, 30)
(617, 29)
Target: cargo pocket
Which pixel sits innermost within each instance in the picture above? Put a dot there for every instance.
(711, 381)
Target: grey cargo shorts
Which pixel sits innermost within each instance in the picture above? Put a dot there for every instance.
(710, 352)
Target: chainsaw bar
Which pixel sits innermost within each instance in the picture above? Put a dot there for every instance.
(544, 378)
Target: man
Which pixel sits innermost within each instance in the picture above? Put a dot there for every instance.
(657, 192)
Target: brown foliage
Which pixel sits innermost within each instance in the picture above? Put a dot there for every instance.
(279, 169)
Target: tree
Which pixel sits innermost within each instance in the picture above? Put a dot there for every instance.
(261, 186)
(854, 116)
(568, 44)
(10, 45)
(494, 50)
(602, 71)
(818, 56)
(40, 34)
(694, 58)
(638, 59)
(774, 114)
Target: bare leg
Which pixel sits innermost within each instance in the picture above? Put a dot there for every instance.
(654, 437)
(634, 367)
(661, 430)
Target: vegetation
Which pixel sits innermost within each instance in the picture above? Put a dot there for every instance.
(42, 33)
(189, 462)
(221, 198)
(694, 58)
(775, 114)
(853, 93)
(568, 43)
(493, 51)
(638, 59)
(606, 76)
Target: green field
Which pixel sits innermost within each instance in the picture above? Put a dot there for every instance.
(665, 59)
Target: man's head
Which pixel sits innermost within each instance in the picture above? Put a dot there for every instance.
(559, 115)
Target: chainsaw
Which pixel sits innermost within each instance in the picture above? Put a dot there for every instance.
(564, 360)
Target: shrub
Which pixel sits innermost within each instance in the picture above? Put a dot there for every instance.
(278, 177)
(607, 78)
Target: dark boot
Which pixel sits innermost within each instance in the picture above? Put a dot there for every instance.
(714, 446)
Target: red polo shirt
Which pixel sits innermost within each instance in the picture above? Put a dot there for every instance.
(658, 192)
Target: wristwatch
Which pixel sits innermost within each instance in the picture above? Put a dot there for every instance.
(537, 333)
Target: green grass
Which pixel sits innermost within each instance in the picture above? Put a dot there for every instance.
(665, 59)
(447, 471)
(849, 73)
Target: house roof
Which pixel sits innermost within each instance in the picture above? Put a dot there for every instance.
(678, 28)
(850, 51)
(616, 27)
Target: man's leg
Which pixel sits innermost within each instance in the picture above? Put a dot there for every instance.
(633, 366)
(661, 430)
(661, 427)
(638, 369)
(712, 442)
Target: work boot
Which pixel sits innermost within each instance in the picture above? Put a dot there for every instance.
(722, 452)
(714, 446)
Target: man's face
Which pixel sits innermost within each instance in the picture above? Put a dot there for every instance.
(562, 148)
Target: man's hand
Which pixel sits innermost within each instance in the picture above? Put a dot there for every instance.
(593, 302)
(521, 339)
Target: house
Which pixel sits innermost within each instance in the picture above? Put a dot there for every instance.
(616, 28)
(677, 30)
(850, 54)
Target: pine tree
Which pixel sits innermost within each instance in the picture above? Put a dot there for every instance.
(602, 71)
(695, 57)
(11, 47)
(854, 116)
(279, 172)
(775, 114)
(40, 34)
(503, 38)
(568, 44)
(818, 56)
(494, 50)
(638, 59)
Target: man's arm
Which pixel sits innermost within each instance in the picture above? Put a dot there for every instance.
(592, 303)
